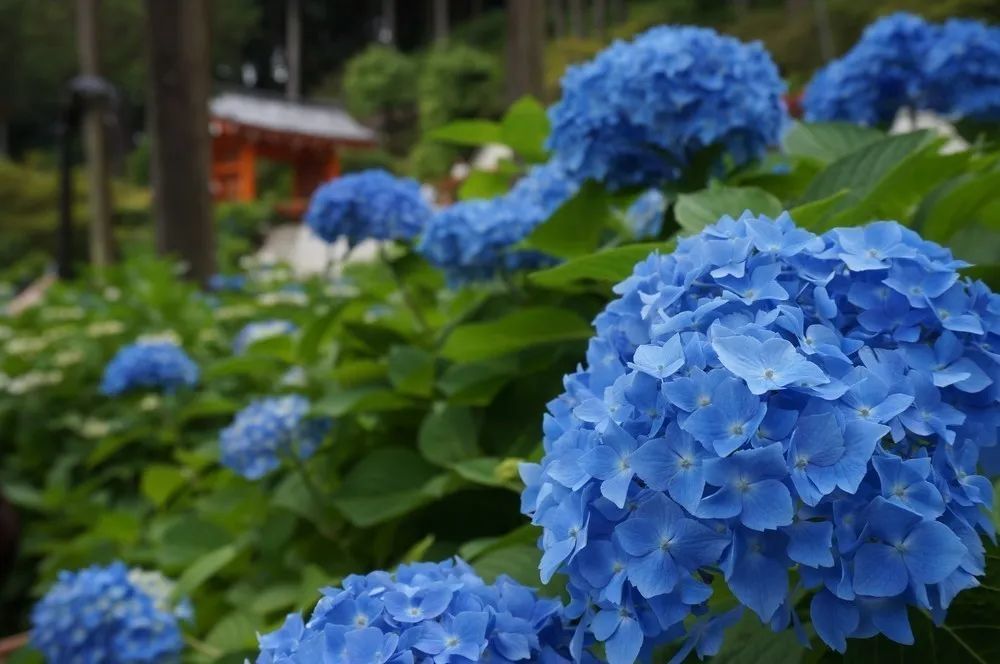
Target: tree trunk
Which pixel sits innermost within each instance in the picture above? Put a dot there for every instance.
(525, 48)
(600, 18)
(440, 20)
(94, 138)
(576, 18)
(177, 34)
(387, 30)
(293, 48)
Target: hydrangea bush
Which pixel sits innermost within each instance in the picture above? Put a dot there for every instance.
(269, 430)
(643, 111)
(475, 239)
(368, 204)
(423, 612)
(963, 70)
(149, 365)
(765, 398)
(112, 615)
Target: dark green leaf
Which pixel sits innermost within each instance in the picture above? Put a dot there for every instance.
(159, 482)
(576, 227)
(750, 642)
(701, 208)
(605, 268)
(387, 483)
(468, 132)
(448, 435)
(525, 127)
(206, 567)
(515, 331)
(810, 215)
(484, 184)
(825, 142)
(368, 398)
(411, 370)
(959, 204)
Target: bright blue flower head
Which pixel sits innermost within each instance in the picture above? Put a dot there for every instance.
(153, 365)
(882, 73)
(423, 612)
(111, 615)
(258, 331)
(765, 398)
(963, 70)
(268, 430)
(641, 111)
(474, 239)
(369, 204)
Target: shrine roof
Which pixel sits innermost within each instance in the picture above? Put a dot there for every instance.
(278, 114)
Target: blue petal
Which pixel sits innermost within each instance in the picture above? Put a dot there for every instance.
(932, 552)
(879, 571)
(624, 646)
(833, 618)
(766, 505)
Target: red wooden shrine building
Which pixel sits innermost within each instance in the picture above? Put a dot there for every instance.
(307, 135)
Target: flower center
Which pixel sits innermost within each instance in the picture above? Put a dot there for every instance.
(864, 412)
(769, 374)
(736, 429)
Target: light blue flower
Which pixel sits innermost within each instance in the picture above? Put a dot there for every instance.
(761, 399)
(153, 365)
(643, 111)
(111, 615)
(269, 430)
(369, 204)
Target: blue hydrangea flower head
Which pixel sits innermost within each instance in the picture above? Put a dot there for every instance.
(641, 111)
(149, 365)
(227, 283)
(109, 614)
(882, 73)
(268, 430)
(963, 70)
(423, 612)
(260, 330)
(644, 217)
(764, 398)
(368, 204)
(475, 239)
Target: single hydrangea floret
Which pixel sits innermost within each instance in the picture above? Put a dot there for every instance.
(882, 73)
(476, 239)
(149, 365)
(109, 614)
(643, 111)
(765, 398)
(269, 430)
(369, 204)
(260, 330)
(423, 612)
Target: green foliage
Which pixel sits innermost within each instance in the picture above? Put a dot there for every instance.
(457, 82)
(380, 79)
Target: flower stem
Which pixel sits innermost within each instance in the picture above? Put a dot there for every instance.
(404, 292)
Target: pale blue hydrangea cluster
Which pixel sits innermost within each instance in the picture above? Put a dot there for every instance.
(642, 111)
(765, 398)
(644, 217)
(109, 615)
(268, 431)
(476, 239)
(902, 61)
(440, 613)
(149, 365)
(963, 70)
(260, 330)
(368, 204)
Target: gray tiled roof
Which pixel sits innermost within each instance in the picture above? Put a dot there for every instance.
(279, 114)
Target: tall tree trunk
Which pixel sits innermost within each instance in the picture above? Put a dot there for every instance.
(178, 38)
(95, 138)
(293, 48)
(600, 18)
(557, 10)
(387, 29)
(576, 18)
(525, 48)
(440, 20)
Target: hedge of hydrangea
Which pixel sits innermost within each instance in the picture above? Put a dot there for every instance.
(149, 365)
(765, 398)
(368, 204)
(642, 111)
(423, 612)
(111, 615)
(475, 239)
(963, 70)
(260, 330)
(269, 430)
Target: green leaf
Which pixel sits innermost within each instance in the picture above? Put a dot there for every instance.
(576, 227)
(468, 132)
(236, 631)
(750, 642)
(159, 482)
(207, 404)
(490, 471)
(313, 336)
(476, 383)
(275, 598)
(810, 215)
(411, 370)
(825, 142)
(959, 204)
(701, 208)
(205, 567)
(519, 561)
(418, 551)
(447, 435)
(862, 168)
(604, 268)
(366, 399)
(484, 184)
(524, 128)
(182, 539)
(387, 483)
(516, 331)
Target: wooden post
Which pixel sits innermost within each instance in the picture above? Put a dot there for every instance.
(177, 34)
(525, 48)
(440, 20)
(293, 48)
(94, 138)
